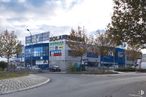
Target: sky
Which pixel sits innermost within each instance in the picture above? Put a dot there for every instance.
(56, 16)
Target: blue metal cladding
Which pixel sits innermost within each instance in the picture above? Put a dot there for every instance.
(92, 55)
(120, 56)
(107, 58)
(117, 58)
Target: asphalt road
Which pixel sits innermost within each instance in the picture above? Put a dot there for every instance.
(76, 85)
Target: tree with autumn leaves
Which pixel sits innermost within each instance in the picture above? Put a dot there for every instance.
(103, 45)
(81, 43)
(9, 45)
(129, 23)
(100, 44)
(78, 41)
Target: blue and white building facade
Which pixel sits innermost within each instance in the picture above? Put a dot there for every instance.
(60, 55)
(43, 51)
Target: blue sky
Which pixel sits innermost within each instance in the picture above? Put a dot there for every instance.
(56, 16)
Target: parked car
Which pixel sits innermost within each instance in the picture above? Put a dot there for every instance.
(54, 68)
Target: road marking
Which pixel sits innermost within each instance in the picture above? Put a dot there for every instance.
(139, 94)
(134, 95)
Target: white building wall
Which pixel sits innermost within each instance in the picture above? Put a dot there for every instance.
(57, 53)
(64, 60)
(71, 59)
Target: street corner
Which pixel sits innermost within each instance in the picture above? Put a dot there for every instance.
(22, 83)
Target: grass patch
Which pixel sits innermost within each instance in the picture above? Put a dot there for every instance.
(96, 71)
(131, 70)
(141, 70)
(6, 74)
(126, 69)
(87, 72)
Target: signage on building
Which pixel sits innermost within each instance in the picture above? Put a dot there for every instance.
(56, 48)
(56, 43)
(38, 62)
(59, 37)
(55, 53)
(37, 38)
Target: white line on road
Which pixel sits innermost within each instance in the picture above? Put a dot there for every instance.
(134, 95)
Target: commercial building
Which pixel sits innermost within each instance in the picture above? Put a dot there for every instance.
(60, 55)
(37, 50)
(37, 54)
(44, 51)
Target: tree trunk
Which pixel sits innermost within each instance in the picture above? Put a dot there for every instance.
(134, 63)
(114, 58)
(8, 59)
(81, 60)
(99, 65)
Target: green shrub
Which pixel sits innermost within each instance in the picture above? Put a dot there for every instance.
(71, 68)
(7, 74)
(3, 65)
(141, 70)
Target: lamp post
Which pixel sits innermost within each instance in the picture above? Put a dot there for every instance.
(31, 48)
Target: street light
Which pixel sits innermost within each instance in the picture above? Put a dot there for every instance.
(31, 48)
(29, 32)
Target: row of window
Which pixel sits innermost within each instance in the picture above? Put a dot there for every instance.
(37, 51)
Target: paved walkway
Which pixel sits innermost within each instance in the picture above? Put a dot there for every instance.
(21, 83)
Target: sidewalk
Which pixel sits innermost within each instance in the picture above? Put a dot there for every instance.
(21, 83)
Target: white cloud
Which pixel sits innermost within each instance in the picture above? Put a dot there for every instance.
(93, 14)
(6, 1)
(21, 1)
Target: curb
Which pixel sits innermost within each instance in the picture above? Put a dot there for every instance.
(27, 88)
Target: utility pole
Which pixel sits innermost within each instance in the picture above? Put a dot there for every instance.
(31, 63)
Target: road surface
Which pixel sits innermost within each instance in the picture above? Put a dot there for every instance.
(79, 85)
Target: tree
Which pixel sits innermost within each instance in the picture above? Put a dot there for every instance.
(78, 43)
(1, 46)
(103, 44)
(133, 53)
(128, 22)
(9, 45)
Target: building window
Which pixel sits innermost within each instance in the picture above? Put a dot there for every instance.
(28, 52)
(38, 51)
(45, 51)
